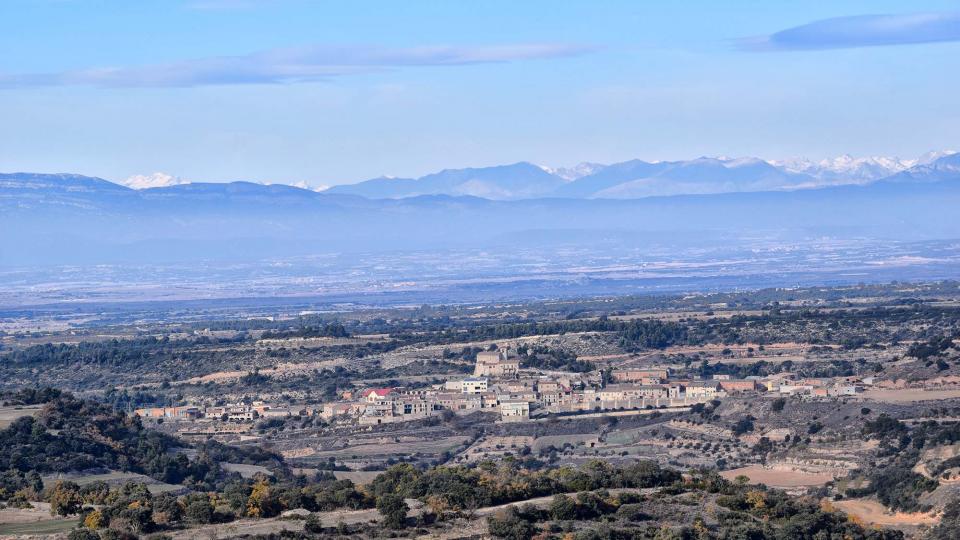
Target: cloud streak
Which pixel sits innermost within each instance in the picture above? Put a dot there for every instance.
(290, 65)
(860, 31)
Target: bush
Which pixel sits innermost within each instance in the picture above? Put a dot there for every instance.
(508, 524)
(65, 499)
(83, 534)
(393, 509)
(563, 508)
(313, 524)
(199, 511)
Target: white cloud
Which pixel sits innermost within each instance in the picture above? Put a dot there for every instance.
(290, 65)
(219, 5)
(861, 31)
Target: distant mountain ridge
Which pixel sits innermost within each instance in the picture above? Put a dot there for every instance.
(637, 178)
(517, 181)
(68, 219)
(634, 179)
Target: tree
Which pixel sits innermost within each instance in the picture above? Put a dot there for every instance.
(136, 518)
(83, 534)
(65, 499)
(744, 425)
(398, 479)
(563, 508)
(393, 509)
(312, 524)
(508, 524)
(94, 520)
(199, 510)
(262, 501)
(166, 509)
(778, 404)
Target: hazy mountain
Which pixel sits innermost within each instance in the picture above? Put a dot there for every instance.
(157, 179)
(66, 219)
(29, 190)
(608, 177)
(635, 179)
(847, 169)
(518, 181)
(56, 183)
(946, 168)
(577, 171)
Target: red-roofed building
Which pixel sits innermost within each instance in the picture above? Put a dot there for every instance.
(373, 395)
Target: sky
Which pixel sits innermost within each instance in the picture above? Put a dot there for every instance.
(323, 93)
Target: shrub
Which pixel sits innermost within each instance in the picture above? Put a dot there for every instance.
(508, 524)
(393, 509)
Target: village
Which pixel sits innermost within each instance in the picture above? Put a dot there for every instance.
(500, 386)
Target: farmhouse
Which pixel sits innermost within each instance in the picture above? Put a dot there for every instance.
(703, 389)
(168, 412)
(496, 364)
(514, 411)
(473, 385)
(735, 386)
(642, 376)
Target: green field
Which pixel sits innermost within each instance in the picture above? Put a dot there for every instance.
(48, 526)
(113, 478)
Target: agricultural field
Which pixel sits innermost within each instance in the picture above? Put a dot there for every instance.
(844, 401)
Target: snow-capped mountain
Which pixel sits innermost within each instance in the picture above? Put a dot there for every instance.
(155, 180)
(930, 157)
(944, 168)
(632, 179)
(847, 169)
(77, 219)
(577, 171)
(705, 175)
(637, 178)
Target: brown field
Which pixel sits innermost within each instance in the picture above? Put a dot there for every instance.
(870, 511)
(281, 369)
(401, 448)
(759, 474)
(9, 414)
(906, 395)
(357, 477)
(246, 471)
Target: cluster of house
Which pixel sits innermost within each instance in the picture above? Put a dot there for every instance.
(787, 385)
(499, 385)
(237, 412)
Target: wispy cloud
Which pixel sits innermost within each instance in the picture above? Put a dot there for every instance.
(227, 4)
(289, 65)
(860, 31)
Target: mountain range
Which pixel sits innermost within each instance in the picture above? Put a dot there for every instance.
(637, 178)
(74, 219)
(626, 180)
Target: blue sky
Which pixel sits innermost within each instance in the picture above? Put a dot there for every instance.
(338, 92)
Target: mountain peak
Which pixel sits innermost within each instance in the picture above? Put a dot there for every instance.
(579, 170)
(155, 180)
